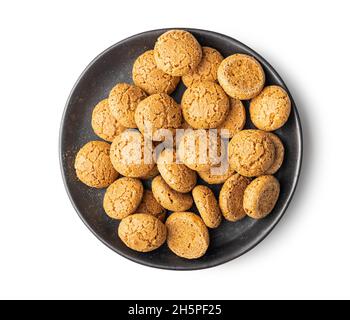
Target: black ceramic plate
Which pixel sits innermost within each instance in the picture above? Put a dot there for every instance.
(114, 65)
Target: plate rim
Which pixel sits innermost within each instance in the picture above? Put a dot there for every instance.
(228, 257)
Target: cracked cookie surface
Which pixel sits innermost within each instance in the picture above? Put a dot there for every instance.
(207, 206)
(123, 100)
(131, 155)
(122, 197)
(204, 105)
(149, 205)
(279, 153)
(216, 175)
(188, 236)
(150, 78)
(93, 165)
(169, 198)
(231, 197)
(103, 123)
(206, 70)
(236, 118)
(251, 153)
(241, 76)
(270, 110)
(176, 175)
(260, 196)
(158, 111)
(142, 232)
(177, 52)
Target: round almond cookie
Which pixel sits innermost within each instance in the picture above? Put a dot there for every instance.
(150, 175)
(123, 197)
(204, 105)
(103, 123)
(123, 100)
(150, 78)
(217, 175)
(177, 52)
(169, 198)
(270, 110)
(200, 149)
(207, 69)
(236, 118)
(188, 236)
(251, 152)
(142, 232)
(131, 154)
(241, 76)
(260, 196)
(176, 175)
(93, 165)
(231, 197)
(279, 153)
(149, 205)
(158, 111)
(207, 206)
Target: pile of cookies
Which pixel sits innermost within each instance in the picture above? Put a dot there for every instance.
(138, 118)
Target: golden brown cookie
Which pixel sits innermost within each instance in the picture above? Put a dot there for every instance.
(231, 197)
(260, 196)
(150, 78)
(279, 153)
(188, 236)
(217, 175)
(200, 149)
(177, 52)
(236, 118)
(123, 197)
(142, 232)
(251, 152)
(150, 175)
(149, 205)
(241, 76)
(270, 110)
(158, 111)
(207, 206)
(176, 175)
(131, 154)
(123, 100)
(93, 166)
(204, 105)
(169, 198)
(103, 123)
(207, 69)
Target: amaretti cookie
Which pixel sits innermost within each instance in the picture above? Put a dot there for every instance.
(251, 152)
(158, 111)
(200, 149)
(177, 52)
(236, 118)
(93, 165)
(149, 205)
(123, 197)
(207, 69)
(270, 110)
(150, 78)
(142, 232)
(169, 198)
(204, 105)
(176, 175)
(260, 196)
(279, 153)
(123, 100)
(188, 236)
(131, 155)
(217, 175)
(207, 206)
(103, 123)
(241, 76)
(231, 197)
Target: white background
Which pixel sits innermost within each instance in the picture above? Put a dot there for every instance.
(47, 252)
